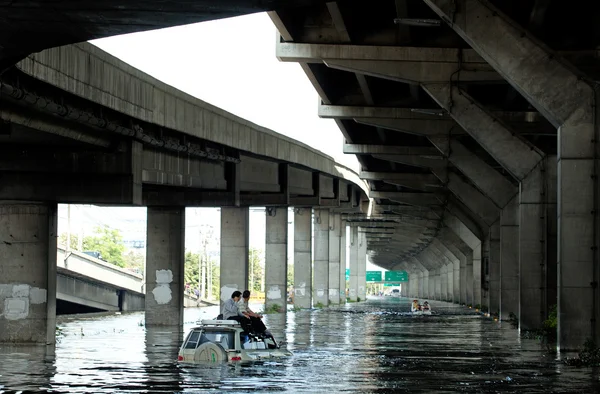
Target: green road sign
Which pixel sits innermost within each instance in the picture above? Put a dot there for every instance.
(390, 285)
(373, 276)
(347, 273)
(396, 276)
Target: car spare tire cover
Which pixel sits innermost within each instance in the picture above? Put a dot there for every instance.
(210, 352)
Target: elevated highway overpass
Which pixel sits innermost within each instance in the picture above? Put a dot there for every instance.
(80, 126)
(32, 26)
(475, 125)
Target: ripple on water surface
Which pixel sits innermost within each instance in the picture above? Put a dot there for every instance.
(375, 346)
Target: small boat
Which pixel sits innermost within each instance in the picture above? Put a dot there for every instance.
(225, 340)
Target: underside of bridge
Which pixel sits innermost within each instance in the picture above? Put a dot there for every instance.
(31, 26)
(474, 125)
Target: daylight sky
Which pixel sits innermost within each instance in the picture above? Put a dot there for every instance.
(229, 63)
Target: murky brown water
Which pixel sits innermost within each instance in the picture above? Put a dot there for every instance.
(367, 347)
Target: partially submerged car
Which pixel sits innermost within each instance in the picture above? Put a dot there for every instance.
(225, 340)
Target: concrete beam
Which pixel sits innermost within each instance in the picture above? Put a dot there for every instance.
(364, 149)
(514, 153)
(418, 199)
(494, 185)
(398, 177)
(473, 199)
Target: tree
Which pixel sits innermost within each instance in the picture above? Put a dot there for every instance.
(135, 260)
(257, 270)
(290, 276)
(62, 241)
(192, 273)
(107, 241)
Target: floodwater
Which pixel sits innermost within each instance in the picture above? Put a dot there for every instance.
(369, 347)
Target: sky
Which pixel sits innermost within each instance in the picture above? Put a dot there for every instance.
(229, 63)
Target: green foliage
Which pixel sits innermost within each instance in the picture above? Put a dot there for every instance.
(135, 260)
(319, 305)
(290, 276)
(256, 269)
(192, 273)
(296, 308)
(552, 321)
(357, 299)
(274, 308)
(513, 320)
(478, 306)
(588, 356)
(109, 243)
(192, 269)
(62, 241)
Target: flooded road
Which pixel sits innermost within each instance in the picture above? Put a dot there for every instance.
(368, 347)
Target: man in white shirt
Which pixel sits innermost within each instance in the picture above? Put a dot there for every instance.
(232, 312)
(257, 325)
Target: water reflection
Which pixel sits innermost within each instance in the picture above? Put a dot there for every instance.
(366, 347)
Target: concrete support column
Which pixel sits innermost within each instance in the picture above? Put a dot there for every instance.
(343, 262)
(438, 284)
(509, 261)
(450, 280)
(494, 264)
(234, 251)
(537, 268)
(303, 257)
(353, 290)
(477, 293)
(421, 280)
(276, 248)
(362, 266)
(321, 265)
(443, 283)
(335, 234)
(165, 266)
(28, 233)
(515, 55)
(431, 285)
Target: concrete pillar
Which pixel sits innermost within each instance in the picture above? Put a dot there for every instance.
(509, 261)
(28, 236)
(335, 235)
(477, 299)
(165, 266)
(321, 265)
(431, 285)
(537, 267)
(450, 275)
(426, 293)
(515, 54)
(303, 257)
(494, 264)
(353, 291)
(362, 266)
(343, 253)
(443, 283)
(421, 289)
(234, 250)
(276, 248)
(438, 284)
